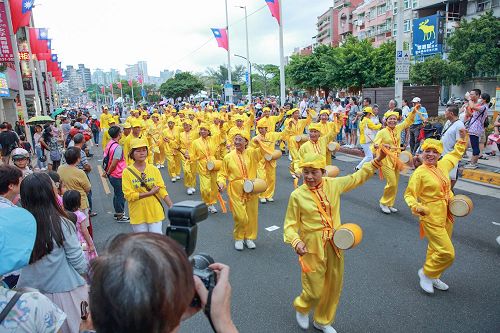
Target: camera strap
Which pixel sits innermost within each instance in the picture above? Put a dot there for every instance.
(208, 307)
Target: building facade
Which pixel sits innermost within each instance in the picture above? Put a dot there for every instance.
(85, 75)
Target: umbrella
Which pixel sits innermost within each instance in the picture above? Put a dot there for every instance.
(39, 120)
(57, 112)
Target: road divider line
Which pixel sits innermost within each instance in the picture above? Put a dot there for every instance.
(103, 180)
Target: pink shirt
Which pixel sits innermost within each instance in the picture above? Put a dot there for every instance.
(121, 165)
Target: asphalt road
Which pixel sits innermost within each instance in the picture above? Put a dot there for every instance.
(381, 291)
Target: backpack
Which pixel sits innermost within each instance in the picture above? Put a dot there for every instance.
(94, 127)
(106, 159)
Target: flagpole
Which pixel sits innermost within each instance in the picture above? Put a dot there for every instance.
(282, 57)
(42, 88)
(228, 55)
(121, 94)
(15, 50)
(133, 99)
(38, 104)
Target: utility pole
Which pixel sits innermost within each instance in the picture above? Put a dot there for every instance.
(282, 58)
(398, 84)
(228, 55)
(249, 65)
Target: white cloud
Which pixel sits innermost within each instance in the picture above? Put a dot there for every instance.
(112, 33)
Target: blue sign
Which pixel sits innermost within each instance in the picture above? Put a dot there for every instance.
(428, 35)
(4, 86)
(143, 93)
(247, 78)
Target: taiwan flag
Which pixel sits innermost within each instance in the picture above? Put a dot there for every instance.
(119, 85)
(103, 89)
(20, 11)
(54, 58)
(130, 83)
(221, 38)
(274, 7)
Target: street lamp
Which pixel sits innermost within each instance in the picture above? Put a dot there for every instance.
(249, 65)
(249, 83)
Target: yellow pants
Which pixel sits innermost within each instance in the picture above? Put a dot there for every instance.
(105, 138)
(391, 187)
(440, 251)
(267, 171)
(293, 149)
(208, 187)
(189, 173)
(159, 157)
(172, 165)
(321, 288)
(245, 212)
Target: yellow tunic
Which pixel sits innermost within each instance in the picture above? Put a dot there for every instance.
(184, 141)
(155, 140)
(429, 187)
(297, 128)
(322, 286)
(170, 150)
(368, 123)
(319, 147)
(202, 151)
(149, 209)
(236, 168)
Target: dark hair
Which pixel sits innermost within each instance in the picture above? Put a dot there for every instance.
(114, 131)
(406, 101)
(367, 99)
(477, 91)
(38, 197)
(72, 200)
(337, 100)
(355, 100)
(453, 109)
(9, 175)
(78, 138)
(22, 137)
(132, 151)
(55, 178)
(398, 110)
(486, 97)
(143, 282)
(3, 126)
(71, 155)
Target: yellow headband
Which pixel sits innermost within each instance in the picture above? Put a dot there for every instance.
(369, 109)
(390, 114)
(315, 127)
(324, 112)
(243, 134)
(263, 123)
(313, 160)
(433, 144)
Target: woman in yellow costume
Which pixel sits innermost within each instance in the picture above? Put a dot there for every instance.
(172, 154)
(239, 165)
(326, 127)
(154, 135)
(272, 120)
(428, 195)
(312, 216)
(368, 128)
(184, 141)
(317, 143)
(293, 127)
(391, 135)
(203, 150)
(267, 169)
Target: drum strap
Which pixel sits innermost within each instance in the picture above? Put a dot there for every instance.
(328, 229)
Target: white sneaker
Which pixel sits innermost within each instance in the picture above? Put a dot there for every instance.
(189, 191)
(393, 210)
(263, 200)
(162, 166)
(193, 189)
(324, 328)
(425, 282)
(302, 320)
(158, 166)
(270, 200)
(212, 209)
(498, 240)
(470, 166)
(290, 158)
(238, 245)
(250, 244)
(438, 284)
(385, 209)
(174, 180)
(178, 177)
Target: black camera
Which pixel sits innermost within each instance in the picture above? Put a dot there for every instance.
(183, 218)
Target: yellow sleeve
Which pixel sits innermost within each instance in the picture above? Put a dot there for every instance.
(223, 172)
(160, 183)
(378, 138)
(412, 190)
(128, 189)
(292, 221)
(373, 126)
(350, 182)
(450, 160)
(275, 136)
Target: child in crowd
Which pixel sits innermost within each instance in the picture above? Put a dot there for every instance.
(72, 201)
(58, 183)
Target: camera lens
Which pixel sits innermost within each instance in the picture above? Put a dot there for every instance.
(201, 261)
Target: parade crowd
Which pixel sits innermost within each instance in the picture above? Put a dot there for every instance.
(143, 281)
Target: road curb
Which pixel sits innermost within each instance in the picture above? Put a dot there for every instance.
(482, 176)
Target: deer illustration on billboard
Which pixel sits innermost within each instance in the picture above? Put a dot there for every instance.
(428, 30)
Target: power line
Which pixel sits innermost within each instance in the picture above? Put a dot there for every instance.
(212, 38)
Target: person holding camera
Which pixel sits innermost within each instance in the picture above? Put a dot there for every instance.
(144, 190)
(144, 282)
(239, 165)
(312, 216)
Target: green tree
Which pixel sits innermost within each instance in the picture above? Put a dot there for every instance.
(383, 65)
(267, 79)
(436, 71)
(356, 62)
(475, 46)
(182, 85)
(219, 74)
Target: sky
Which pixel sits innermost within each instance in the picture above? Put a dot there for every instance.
(171, 34)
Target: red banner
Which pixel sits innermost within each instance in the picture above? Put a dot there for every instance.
(6, 54)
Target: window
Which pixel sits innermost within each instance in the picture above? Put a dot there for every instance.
(482, 5)
(395, 29)
(407, 4)
(373, 13)
(381, 10)
(407, 26)
(414, 4)
(395, 8)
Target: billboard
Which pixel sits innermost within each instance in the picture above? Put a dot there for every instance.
(4, 86)
(428, 35)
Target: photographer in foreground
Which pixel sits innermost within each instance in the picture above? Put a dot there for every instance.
(144, 283)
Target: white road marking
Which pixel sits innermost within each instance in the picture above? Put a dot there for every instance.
(495, 223)
(272, 228)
